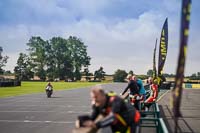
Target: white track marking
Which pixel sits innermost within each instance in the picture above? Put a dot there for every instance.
(29, 121)
(27, 111)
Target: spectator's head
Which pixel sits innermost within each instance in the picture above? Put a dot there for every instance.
(134, 78)
(129, 77)
(98, 96)
(150, 80)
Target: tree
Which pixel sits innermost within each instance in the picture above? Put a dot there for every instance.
(37, 50)
(58, 58)
(120, 75)
(8, 72)
(79, 57)
(3, 60)
(195, 76)
(168, 75)
(59, 63)
(150, 73)
(66, 58)
(23, 68)
(198, 74)
(99, 74)
(86, 73)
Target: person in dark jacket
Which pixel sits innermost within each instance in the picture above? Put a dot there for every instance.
(134, 95)
(132, 86)
(120, 116)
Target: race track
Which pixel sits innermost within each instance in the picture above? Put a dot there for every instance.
(37, 114)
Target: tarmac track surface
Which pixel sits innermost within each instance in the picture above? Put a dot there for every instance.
(36, 113)
(190, 110)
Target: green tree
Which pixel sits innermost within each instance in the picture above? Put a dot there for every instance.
(3, 60)
(79, 57)
(99, 74)
(59, 59)
(198, 74)
(120, 75)
(193, 76)
(23, 68)
(8, 72)
(86, 73)
(37, 50)
(150, 73)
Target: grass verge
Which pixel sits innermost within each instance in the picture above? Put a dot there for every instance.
(36, 87)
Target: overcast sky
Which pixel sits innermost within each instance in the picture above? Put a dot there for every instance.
(120, 34)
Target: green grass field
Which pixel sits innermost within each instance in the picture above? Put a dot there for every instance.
(37, 87)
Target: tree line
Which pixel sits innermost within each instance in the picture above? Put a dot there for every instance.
(63, 59)
(57, 58)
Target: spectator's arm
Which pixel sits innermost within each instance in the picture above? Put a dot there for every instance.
(126, 89)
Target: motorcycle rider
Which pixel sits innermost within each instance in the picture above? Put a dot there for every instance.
(49, 88)
(120, 116)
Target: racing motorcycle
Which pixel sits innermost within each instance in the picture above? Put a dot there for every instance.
(49, 91)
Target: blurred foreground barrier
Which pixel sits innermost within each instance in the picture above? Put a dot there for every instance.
(153, 111)
(152, 120)
(157, 123)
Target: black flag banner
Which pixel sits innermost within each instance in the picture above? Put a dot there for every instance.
(184, 33)
(154, 62)
(162, 50)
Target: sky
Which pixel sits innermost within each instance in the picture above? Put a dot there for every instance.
(119, 34)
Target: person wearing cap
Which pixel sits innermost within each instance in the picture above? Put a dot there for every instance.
(116, 113)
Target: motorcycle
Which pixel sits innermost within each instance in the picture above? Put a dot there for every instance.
(49, 91)
(134, 100)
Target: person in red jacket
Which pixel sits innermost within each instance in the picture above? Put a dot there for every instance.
(154, 91)
(116, 113)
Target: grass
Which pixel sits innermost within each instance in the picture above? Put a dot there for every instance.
(37, 87)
